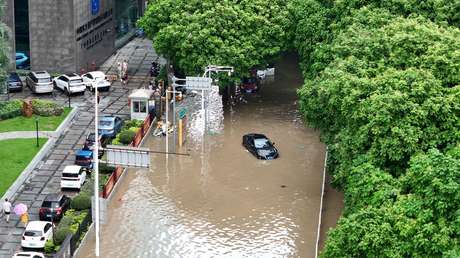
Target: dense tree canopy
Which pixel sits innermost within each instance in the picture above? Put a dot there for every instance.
(193, 34)
(4, 49)
(382, 83)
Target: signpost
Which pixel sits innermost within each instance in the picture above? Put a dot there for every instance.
(128, 156)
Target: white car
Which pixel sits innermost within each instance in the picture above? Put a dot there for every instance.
(73, 176)
(36, 234)
(97, 80)
(70, 83)
(28, 255)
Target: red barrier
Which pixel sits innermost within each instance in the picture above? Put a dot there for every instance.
(116, 174)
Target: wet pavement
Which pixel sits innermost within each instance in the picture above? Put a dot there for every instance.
(220, 201)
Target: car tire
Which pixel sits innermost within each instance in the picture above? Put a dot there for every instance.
(54, 85)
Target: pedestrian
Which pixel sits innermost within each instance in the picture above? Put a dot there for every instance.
(25, 218)
(6, 207)
(125, 71)
(120, 71)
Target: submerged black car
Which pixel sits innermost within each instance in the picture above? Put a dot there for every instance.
(53, 207)
(260, 146)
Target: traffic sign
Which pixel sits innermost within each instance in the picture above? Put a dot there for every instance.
(182, 112)
(198, 83)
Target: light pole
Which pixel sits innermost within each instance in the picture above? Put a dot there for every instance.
(96, 169)
(36, 130)
(174, 117)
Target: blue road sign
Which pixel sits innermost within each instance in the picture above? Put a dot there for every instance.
(95, 7)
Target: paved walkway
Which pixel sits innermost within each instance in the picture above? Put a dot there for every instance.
(26, 134)
(46, 176)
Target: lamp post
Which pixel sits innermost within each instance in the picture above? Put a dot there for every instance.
(174, 116)
(36, 130)
(68, 96)
(96, 170)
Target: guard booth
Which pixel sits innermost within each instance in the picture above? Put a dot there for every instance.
(141, 102)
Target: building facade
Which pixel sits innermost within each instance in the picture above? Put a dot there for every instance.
(71, 35)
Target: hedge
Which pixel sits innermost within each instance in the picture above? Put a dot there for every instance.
(10, 109)
(46, 108)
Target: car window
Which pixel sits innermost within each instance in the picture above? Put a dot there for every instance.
(105, 123)
(47, 227)
(261, 143)
(49, 204)
(76, 81)
(43, 80)
(70, 174)
(89, 76)
(32, 233)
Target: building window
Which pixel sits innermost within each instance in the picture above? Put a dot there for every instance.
(126, 15)
(139, 107)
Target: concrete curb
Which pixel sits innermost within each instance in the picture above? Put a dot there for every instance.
(25, 174)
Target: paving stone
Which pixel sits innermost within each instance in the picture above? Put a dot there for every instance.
(40, 179)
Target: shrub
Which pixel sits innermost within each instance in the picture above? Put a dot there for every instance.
(133, 123)
(105, 169)
(126, 137)
(61, 234)
(49, 247)
(81, 202)
(46, 108)
(10, 109)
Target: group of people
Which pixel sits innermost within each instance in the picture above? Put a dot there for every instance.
(122, 69)
(7, 210)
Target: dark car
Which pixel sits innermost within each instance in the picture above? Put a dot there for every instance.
(53, 207)
(14, 82)
(249, 85)
(90, 140)
(84, 158)
(260, 146)
(109, 126)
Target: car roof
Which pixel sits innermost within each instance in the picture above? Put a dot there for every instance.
(41, 74)
(36, 225)
(14, 75)
(82, 152)
(107, 118)
(27, 254)
(54, 197)
(97, 74)
(72, 169)
(71, 75)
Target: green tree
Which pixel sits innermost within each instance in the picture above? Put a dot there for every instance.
(4, 48)
(193, 34)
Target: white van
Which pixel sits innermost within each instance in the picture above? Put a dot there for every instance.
(73, 177)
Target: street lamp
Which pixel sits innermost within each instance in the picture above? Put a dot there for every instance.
(68, 96)
(174, 116)
(96, 169)
(36, 130)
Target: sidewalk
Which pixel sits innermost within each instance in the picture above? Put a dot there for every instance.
(26, 134)
(45, 178)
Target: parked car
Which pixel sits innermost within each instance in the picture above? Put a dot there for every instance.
(84, 158)
(22, 61)
(97, 80)
(109, 126)
(73, 176)
(260, 146)
(53, 207)
(14, 82)
(249, 85)
(39, 82)
(28, 255)
(36, 234)
(90, 140)
(70, 83)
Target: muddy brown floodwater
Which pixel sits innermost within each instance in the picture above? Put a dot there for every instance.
(220, 201)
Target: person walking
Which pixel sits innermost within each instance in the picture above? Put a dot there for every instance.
(25, 218)
(124, 68)
(120, 71)
(6, 207)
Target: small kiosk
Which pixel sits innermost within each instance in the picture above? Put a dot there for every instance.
(141, 102)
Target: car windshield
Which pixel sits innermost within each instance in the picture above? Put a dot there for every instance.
(32, 233)
(43, 80)
(261, 143)
(69, 174)
(105, 123)
(76, 81)
(48, 204)
(13, 78)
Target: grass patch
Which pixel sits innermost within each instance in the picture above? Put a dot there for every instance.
(15, 155)
(45, 123)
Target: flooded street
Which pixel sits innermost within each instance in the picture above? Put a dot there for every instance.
(221, 201)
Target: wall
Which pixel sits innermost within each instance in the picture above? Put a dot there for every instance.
(52, 41)
(94, 33)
